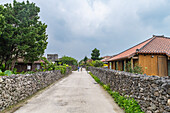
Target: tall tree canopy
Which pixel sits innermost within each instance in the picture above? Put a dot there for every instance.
(95, 54)
(22, 33)
(85, 59)
(68, 60)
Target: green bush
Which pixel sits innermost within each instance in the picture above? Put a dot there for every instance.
(61, 68)
(137, 68)
(96, 63)
(87, 67)
(68, 60)
(130, 105)
(2, 67)
(6, 73)
(70, 67)
(89, 64)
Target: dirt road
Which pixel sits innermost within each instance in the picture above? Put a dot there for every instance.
(77, 93)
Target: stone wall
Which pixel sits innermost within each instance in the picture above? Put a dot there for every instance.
(152, 92)
(18, 87)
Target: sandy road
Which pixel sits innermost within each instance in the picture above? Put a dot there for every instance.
(77, 93)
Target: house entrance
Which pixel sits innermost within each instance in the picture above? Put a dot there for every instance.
(162, 66)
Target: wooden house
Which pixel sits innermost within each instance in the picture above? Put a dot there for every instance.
(153, 55)
(28, 66)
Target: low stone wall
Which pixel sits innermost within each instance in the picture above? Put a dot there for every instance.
(152, 92)
(18, 87)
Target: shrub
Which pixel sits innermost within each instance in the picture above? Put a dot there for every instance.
(87, 67)
(96, 63)
(6, 73)
(137, 68)
(68, 60)
(89, 64)
(61, 68)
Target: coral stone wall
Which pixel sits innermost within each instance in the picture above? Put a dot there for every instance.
(18, 87)
(152, 92)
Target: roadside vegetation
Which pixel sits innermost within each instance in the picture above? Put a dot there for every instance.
(130, 105)
(68, 60)
(94, 61)
(47, 66)
(137, 68)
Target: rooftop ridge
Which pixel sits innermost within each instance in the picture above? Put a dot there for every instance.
(147, 43)
(131, 48)
(160, 36)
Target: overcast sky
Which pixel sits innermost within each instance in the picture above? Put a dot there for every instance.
(76, 27)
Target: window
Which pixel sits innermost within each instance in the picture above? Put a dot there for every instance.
(28, 67)
(38, 66)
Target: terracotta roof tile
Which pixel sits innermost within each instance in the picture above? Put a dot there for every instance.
(129, 52)
(105, 59)
(156, 44)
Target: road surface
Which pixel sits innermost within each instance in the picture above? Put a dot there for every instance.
(77, 93)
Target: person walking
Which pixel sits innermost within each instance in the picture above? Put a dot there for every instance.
(78, 68)
(81, 68)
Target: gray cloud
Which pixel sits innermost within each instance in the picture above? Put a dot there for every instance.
(75, 27)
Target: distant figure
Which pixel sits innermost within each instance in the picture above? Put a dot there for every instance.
(81, 68)
(78, 68)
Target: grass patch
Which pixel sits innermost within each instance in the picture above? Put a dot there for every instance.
(130, 105)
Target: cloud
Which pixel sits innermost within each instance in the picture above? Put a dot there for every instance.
(75, 27)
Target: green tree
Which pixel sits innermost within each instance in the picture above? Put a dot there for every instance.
(68, 60)
(95, 54)
(97, 63)
(24, 35)
(85, 59)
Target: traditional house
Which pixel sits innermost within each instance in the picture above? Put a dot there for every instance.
(153, 55)
(104, 60)
(52, 58)
(28, 66)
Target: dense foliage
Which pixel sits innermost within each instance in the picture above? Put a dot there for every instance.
(85, 59)
(130, 105)
(137, 68)
(95, 54)
(6, 73)
(22, 34)
(96, 63)
(49, 66)
(68, 60)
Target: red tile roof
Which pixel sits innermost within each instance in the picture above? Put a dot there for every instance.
(105, 59)
(156, 44)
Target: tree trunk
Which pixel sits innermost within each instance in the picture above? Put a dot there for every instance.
(13, 64)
